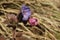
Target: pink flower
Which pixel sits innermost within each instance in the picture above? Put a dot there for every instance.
(33, 21)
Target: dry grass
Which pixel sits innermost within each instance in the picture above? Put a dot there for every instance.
(46, 11)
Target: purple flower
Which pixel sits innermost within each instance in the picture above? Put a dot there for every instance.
(25, 12)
